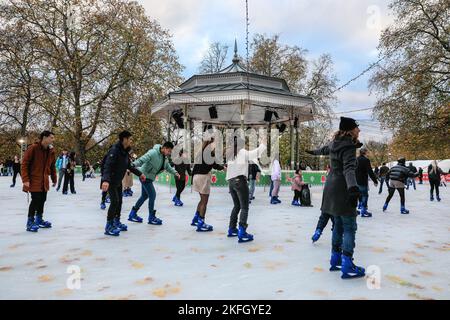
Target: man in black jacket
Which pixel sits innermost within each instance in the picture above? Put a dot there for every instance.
(411, 181)
(116, 164)
(363, 171)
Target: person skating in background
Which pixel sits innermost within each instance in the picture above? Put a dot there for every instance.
(37, 165)
(363, 172)
(116, 163)
(238, 159)
(151, 164)
(127, 184)
(61, 165)
(276, 180)
(411, 181)
(9, 166)
(377, 171)
(383, 177)
(16, 170)
(69, 175)
(398, 177)
(253, 174)
(420, 175)
(85, 168)
(201, 183)
(297, 185)
(182, 168)
(340, 196)
(434, 176)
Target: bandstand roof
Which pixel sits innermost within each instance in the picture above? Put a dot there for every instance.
(234, 88)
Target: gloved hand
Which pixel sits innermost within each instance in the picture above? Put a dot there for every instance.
(353, 196)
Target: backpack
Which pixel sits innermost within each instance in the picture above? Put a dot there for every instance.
(305, 196)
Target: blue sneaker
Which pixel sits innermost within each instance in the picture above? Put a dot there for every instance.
(350, 270)
(174, 199)
(125, 194)
(365, 213)
(336, 261)
(203, 227)
(42, 224)
(244, 236)
(403, 210)
(179, 203)
(194, 222)
(153, 220)
(438, 199)
(295, 203)
(133, 217)
(102, 206)
(108, 199)
(119, 225)
(32, 226)
(233, 233)
(112, 231)
(274, 200)
(431, 198)
(316, 235)
(385, 207)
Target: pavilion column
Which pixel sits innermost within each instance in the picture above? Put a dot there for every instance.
(168, 126)
(297, 160)
(187, 128)
(292, 144)
(242, 115)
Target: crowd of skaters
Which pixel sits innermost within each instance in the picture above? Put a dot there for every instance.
(345, 193)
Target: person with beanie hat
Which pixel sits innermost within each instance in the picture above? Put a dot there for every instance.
(398, 177)
(340, 196)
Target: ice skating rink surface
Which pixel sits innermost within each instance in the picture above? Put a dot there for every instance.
(409, 255)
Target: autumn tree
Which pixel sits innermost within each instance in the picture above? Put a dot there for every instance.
(412, 83)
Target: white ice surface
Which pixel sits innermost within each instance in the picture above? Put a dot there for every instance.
(175, 262)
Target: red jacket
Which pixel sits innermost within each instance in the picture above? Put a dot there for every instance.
(37, 165)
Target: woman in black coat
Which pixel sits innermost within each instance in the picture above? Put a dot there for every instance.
(434, 176)
(340, 197)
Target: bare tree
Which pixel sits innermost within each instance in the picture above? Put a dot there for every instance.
(214, 59)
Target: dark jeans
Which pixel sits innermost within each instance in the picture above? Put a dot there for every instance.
(382, 181)
(364, 198)
(271, 188)
(181, 185)
(240, 195)
(61, 174)
(323, 221)
(401, 192)
(15, 177)
(411, 181)
(297, 195)
(115, 208)
(148, 192)
(344, 233)
(37, 204)
(435, 185)
(69, 178)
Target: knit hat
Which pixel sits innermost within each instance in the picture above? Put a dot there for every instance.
(402, 161)
(347, 124)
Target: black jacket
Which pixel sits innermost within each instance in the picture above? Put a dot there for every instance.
(412, 169)
(384, 171)
(363, 171)
(253, 171)
(342, 177)
(116, 163)
(434, 176)
(205, 168)
(401, 173)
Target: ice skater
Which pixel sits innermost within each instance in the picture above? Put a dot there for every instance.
(276, 181)
(201, 183)
(16, 170)
(117, 161)
(151, 164)
(182, 168)
(434, 176)
(383, 177)
(363, 172)
(297, 186)
(69, 174)
(398, 177)
(37, 165)
(340, 197)
(238, 159)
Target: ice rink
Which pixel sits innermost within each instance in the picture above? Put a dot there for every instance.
(173, 261)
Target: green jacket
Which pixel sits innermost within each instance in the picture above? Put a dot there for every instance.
(151, 163)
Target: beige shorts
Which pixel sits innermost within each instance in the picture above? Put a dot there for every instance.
(202, 183)
(396, 184)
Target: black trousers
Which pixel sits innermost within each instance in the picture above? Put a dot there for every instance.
(401, 192)
(115, 208)
(69, 178)
(181, 185)
(323, 221)
(240, 194)
(15, 176)
(435, 185)
(297, 195)
(104, 195)
(37, 204)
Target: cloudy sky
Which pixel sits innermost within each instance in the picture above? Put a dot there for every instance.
(349, 30)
